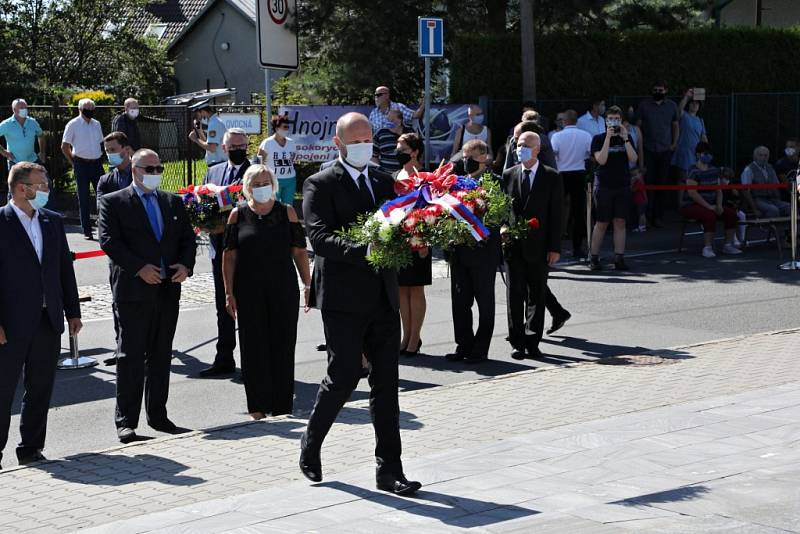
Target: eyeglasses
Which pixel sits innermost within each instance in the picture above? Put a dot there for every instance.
(152, 169)
(378, 95)
(37, 185)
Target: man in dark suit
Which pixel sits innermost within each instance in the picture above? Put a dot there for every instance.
(149, 239)
(536, 191)
(473, 269)
(118, 151)
(360, 307)
(37, 292)
(234, 144)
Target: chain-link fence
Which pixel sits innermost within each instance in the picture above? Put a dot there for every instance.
(735, 123)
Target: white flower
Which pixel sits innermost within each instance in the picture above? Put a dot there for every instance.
(416, 242)
(396, 216)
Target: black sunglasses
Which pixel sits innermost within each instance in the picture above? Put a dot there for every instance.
(377, 95)
(151, 169)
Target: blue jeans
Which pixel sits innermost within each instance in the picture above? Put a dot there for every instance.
(86, 173)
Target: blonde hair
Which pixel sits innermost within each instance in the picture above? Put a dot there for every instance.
(252, 172)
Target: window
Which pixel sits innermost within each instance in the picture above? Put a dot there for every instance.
(155, 30)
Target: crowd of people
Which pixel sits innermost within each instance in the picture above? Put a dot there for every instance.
(370, 317)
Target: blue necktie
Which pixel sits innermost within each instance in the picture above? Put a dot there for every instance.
(152, 214)
(231, 177)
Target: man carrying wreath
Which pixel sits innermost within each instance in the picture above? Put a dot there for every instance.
(536, 192)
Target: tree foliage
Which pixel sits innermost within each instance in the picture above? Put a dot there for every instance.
(55, 46)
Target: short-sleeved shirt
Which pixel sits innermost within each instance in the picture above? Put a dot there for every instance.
(280, 158)
(756, 174)
(379, 119)
(571, 147)
(85, 137)
(657, 122)
(216, 130)
(615, 173)
(384, 145)
(21, 139)
(709, 176)
(587, 123)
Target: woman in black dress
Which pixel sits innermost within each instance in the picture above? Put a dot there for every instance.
(414, 278)
(262, 239)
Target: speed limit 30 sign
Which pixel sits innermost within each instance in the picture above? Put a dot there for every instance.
(277, 37)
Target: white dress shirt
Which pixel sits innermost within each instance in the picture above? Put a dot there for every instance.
(32, 228)
(571, 147)
(85, 137)
(532, 175)
(589, 124)
(354, 174)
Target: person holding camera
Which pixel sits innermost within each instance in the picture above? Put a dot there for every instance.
(614, 152)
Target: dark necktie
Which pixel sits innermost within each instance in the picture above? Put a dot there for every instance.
(367, 202)
(231, 177)
(526, 185)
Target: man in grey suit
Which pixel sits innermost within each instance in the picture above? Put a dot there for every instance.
(234, 144)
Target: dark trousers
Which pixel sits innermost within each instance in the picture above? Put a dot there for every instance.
(526, 296)
(376, 333)
(657, 164)
(144, 355)
(38, 356)
(472, 283)
(575, 188)
(226, 326)
(85, 174)
(554, 308)
(267, 338)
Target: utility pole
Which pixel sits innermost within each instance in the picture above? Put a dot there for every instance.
(526, 34)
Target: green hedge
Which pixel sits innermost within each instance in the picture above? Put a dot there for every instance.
(626, 63)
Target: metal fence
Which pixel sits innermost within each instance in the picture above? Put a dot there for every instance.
(164, 129)
(735, 123)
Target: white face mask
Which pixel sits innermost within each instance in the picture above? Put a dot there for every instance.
(789, 151)
(133, 113)
(262, 194)
(23, 113)
(359, 154)
(151, 181)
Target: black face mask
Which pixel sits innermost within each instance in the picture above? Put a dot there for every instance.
(658, 96)
(470, 165)
(88, 113)
(238, 156)
(403, 157)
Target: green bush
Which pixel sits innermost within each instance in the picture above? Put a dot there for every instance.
(626, 63)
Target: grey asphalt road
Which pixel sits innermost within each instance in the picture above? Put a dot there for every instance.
(669, 299)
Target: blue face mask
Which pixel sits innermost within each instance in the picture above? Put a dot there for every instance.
(706, 158)
(40, 200)
(524, 153)
(478, 119)
(114, 159)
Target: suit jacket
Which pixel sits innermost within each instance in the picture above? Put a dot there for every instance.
(112, 181)
(343, 280)
(544, 203)
(217, 174)
(26, 282)
(128, 239)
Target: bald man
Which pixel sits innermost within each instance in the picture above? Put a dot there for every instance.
(379, 117)
(127, 122)
(536, 192)
(360, 306)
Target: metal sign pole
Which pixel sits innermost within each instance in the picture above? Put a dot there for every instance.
(268, 94)
(792, 265)
(427, 112)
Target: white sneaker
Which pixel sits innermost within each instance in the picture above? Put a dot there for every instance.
(708, 252)
(730, 249)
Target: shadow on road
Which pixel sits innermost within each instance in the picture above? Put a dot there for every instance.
(118, 470)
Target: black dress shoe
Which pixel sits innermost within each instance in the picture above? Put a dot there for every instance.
(166, 426)
(475, 359)
(518, 355)
(110, 361)
(620, 265)
(408, 352)
(397, 484)
(217, 370)
(322, 347)
(126, 435)
(559, 322)
(454, 357)
(534, 353)
(30, 457)
(311, 466)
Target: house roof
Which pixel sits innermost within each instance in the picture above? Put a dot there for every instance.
(179, 16)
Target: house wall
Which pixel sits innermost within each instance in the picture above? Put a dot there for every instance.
(238, 66)
(774, 14)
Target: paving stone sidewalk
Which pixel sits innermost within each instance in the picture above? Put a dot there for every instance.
(660, 427)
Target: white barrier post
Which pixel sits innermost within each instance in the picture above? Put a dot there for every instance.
(792, 265)
(75, 360)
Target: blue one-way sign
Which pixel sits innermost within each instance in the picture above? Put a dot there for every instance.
(431, 37)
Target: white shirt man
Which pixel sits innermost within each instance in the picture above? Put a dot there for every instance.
(591, 124)
(32, 228)
(571, 147)
(86, 137)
